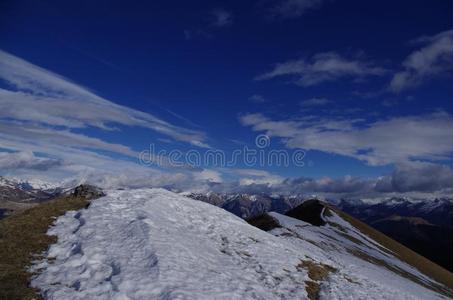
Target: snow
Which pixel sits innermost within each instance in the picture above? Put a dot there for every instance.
(329, 244)
(155, 244)
(25, 183)
(7, 182)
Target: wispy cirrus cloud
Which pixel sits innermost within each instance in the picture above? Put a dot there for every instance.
(26, 160)
(315, 102)
(323, 67)
(247, 177)
(389, 141)
(256, 98)
(221, 17)
(213, 21)
(45, 122)
(433, 59)
(74, 154)
(76, 158)
(44, 97)
(290, 9)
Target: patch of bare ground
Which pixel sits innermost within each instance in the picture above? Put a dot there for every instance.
(317, 272)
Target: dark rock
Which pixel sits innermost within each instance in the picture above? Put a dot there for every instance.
(309, 211)
(88, 192)
(264, 222)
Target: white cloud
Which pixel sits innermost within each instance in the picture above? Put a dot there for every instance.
(415, 179)
(257, 98)
(251, 172)
(26, 160)
(47, 137)
(44, 97)
(247, 177)
(323, 67)
(294, 8)
(400, 139)
(42, 122)
(254, 176)
(268, 181)
(433, 59)
(422, 178)
(328, 185)
(417, 176)
(77, 154)
(209, 176)
(80, 166)
(418, 180)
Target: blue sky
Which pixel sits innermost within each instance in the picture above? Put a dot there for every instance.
(364, 88)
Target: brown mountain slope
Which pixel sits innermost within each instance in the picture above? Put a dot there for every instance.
(424, 265)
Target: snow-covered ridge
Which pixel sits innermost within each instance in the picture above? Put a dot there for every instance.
(361, 259)
(155, 244)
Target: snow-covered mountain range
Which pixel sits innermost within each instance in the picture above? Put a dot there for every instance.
(249, 205)
(34, 188)
(425, 226)
(17, 194)
(155, 244)
(437, 211)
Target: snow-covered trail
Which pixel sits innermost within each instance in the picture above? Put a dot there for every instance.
(155, 244)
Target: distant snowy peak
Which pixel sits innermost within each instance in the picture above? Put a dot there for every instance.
(155, 244)
(438, 203)
(438, 211)
(35, 184)
(400, 201)
(4, 182)
(250, 205)
(38, 184)
(17, 190)
(28, 184)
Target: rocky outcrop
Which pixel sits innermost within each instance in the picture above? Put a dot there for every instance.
(88, 192)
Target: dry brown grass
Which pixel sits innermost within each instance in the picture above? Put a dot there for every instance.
(317, 272)
(23, 239)
(312, 289)
(405, 254)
